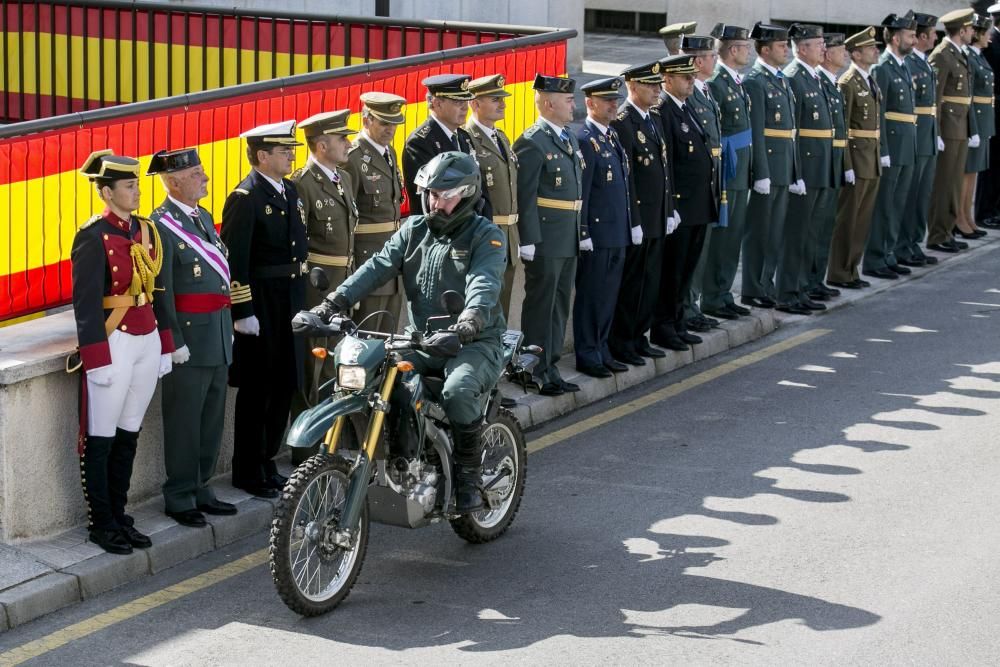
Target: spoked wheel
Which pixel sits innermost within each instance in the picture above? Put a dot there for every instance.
(504, 469)
(313, 564)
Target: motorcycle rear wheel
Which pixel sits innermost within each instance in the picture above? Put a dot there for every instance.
(503, 451)
(311, 573)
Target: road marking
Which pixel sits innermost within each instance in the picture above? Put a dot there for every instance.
(130, 610)
(673, 390)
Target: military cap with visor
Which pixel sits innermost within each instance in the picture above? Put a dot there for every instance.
(104, 166)
(272, 134)
(678, 29)
(800, 31)
(385, 107)
(697, 43)
(449, 86)
(832, 39)
(729, 33)
(489, 86)
(762, 32)
(609, 87)
(553, 84)
(905, 21)
(958, 18)
(648, 73)
(861, 39)
(980, 22)
(678, 65)
(327, 122)
(165, 162)
(925, 20)
(994, 9)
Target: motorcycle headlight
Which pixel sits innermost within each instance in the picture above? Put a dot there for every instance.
(351, 377)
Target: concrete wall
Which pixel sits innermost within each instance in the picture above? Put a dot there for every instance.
(561, 14)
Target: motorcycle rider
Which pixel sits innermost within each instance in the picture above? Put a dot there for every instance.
(449, 247)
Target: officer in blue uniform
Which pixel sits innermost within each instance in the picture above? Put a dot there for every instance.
(605, 230)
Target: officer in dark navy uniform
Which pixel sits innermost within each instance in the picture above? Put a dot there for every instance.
(605, 230)
(263, 227)
(448, 97)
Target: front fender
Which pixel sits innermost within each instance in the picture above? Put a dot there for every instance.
(311, 425)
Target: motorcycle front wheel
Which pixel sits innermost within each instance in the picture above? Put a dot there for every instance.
(312, 571)
(505, 464)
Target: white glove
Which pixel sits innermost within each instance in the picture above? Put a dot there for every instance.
(798, 187)
(673, 222)
(940, 144)
(885, 161)
(102, 376)
(248, 326)
(587, 245)
(974, 141)
(763, 186)
(849, 177)
(637, 235)
(181, 355)
(165, 364)
(527, 252)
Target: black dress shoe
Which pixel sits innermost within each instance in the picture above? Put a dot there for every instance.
(689, 337)
(551, 389)
(648, 350)
(862, 283)
(595, 371)
(901, 270)
(992, 223)
(217, 508)
(848, 285)
(630, 358)
(259, 490)
(928, 260)
(962, 245)
(811, 305)
(568, 386)
(916, 262)
(190, 518)
(672, 343)
(885, 274)
(793, 309)
(757, 302)
(943, 247)
(829, 291)
(112, 541)
(709, 320)
(615, 366)
(723, 313)
(135, 538)
(276, 481)
(818, 295)
(739, 310)
(698, 324)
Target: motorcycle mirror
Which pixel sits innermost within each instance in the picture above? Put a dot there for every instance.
(453, 302)
(318, 279)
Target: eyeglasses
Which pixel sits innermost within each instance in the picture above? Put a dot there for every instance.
(283, 151)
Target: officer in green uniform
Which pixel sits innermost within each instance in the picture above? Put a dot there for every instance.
(673, 33)
(498, 166)
(834, 61)
(726, 86)
(914, 225)
(898, 147)
(814, 150)
(447, 248)
(774, 166)
(549, 199)
(196, 279)
(378, 192)
(982, 108)
(706, 110)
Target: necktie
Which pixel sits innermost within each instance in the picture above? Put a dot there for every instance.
(873, 87)
(652, 128)
(780, 74)
(387, 157)
(454, 142)
(564, 135)
(336, 177)
(496, 140)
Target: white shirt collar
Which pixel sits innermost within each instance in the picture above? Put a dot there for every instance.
(488, 131)
(446, 130)
(701, 85)
(830, 75)
(974, 49)
(603, 128)
(899, 61)
(379, 148)
(733, 73)
(555, 127)
(185, 209)
(808, 68)
(920, 53)
(772, 70)
(280, 187)
(642, 113)
(680, 105)
(863, 71)
(330, 173)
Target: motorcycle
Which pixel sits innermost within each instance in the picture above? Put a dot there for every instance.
(385, 455)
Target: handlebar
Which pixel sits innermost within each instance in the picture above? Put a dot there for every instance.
(437, 344)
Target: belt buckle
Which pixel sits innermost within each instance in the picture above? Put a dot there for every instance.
(140, 300)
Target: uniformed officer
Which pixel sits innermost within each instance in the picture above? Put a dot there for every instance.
(448, 98)
(956, 125)
(726, 86)
(862, 168)
(550, 170)
(914, 226)
(605, 230)
(982, 109)
(835, 60)
(706, 110)
(378, 192)
(673, 33)
(264, 228)
(468, 253)
(814, 152)
(697, 199)
(196, 302)
(650, 190)
(898, 147)
(773, 168)
(988, 184)
(498, 166)
(125, 343)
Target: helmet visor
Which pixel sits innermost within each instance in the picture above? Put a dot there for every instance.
(466, 190)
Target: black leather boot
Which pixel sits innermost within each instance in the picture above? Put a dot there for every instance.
(119, 479)
(468, 466)
(104, 530)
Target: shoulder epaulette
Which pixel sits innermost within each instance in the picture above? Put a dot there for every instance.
(622, 115)
(846, 76)
(655, 110)
(422, 131)
(531, 131)
(297, 173)
(241, 191)
(90, 222)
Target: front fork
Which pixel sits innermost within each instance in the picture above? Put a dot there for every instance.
(361, 472)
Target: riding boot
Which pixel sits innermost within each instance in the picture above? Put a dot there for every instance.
(105, 532)
(119, 479)
(468, 466)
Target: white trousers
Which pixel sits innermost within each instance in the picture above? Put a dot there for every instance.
(135, 363)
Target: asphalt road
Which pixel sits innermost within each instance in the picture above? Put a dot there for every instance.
(835, 503)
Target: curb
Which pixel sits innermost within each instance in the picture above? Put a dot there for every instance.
(173, 544)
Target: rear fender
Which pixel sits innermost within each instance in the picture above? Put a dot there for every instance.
(311, 425)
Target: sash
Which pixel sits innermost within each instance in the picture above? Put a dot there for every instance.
(208, 252)
(730, 145)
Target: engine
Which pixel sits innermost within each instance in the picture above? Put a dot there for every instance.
(415, 479)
